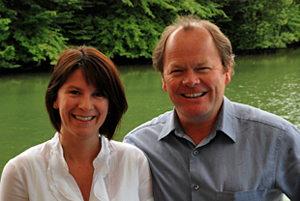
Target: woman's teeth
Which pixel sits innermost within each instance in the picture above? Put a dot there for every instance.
(84, 118)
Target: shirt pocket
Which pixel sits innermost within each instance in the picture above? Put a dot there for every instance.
(254, 195)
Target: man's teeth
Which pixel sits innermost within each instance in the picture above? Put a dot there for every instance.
(83, 118)
(195, 95)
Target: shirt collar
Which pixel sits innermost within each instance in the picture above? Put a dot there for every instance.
(61, 182)
(225, 122)
(100, 163)
(171, 124)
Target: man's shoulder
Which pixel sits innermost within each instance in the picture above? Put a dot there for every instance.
(154, 123)
(149, 129)
(249, 113)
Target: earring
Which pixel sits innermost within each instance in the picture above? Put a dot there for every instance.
(55, 107)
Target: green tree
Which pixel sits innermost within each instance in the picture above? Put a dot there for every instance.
(7, 52)
(36, 30)
(32, 32)
(261, 24)
(129, 28)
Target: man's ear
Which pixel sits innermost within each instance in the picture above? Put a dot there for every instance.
(164, 87)
(228, 75)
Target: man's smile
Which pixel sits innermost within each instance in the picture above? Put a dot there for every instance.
(194, 95)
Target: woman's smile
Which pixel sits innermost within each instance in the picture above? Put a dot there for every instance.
(85, 119)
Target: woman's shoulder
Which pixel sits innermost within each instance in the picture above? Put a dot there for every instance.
(32, 155)
(126, 150)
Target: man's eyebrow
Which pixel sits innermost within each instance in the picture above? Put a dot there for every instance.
(197, 64)
(202, 63)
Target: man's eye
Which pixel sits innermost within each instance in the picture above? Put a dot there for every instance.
(203, 69)
(176, 71)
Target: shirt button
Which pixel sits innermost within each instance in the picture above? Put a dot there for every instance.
(196, 152)
(196, 187)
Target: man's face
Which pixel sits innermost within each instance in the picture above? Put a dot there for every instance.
(194, 76)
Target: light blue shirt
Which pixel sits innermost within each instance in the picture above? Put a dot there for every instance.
(249, 155)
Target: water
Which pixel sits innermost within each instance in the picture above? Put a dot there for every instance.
(23, 118)
(270, 82)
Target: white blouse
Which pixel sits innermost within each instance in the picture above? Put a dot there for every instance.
(121, 172)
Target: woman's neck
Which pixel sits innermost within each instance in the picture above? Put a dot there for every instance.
(81, 150)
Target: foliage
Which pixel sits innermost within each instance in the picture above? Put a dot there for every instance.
(36, 30)
(8, 52)
(262, 24)
(32, 32)
(129, 28)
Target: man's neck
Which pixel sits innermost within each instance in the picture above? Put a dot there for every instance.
(198, 132)
(198, 129)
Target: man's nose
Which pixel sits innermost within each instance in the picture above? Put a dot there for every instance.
(191, 78)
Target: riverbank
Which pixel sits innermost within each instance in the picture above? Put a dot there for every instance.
(45, 66)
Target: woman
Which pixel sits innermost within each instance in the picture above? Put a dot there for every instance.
(84, 97)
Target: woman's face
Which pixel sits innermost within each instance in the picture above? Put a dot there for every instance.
(82, 108)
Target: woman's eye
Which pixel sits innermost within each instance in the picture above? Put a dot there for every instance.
(74, 92)
(99, 94)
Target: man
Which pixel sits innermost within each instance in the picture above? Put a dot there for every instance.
(209, 148)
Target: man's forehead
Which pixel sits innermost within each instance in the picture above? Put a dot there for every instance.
(188, 30)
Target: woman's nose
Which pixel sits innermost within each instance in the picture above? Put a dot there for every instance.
(86, 103)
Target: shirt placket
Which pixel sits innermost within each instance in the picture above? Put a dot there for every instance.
(195, 173)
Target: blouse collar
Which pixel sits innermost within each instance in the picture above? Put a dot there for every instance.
(63, 185)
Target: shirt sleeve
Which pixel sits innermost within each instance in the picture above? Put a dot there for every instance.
(12, 186)
(288, 163)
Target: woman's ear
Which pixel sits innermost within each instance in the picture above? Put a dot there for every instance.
(55, 105)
